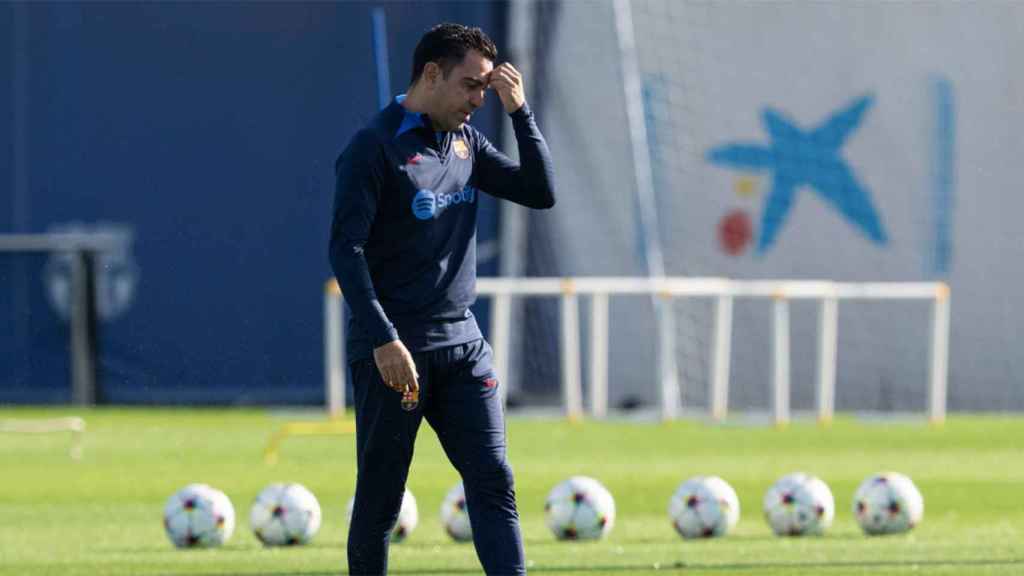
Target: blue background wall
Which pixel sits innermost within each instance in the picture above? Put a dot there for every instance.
(211, 130)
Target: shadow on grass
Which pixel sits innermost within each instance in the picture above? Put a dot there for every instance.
(532, 543)
(675, 566)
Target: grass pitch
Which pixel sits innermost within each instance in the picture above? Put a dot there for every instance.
(102, 515)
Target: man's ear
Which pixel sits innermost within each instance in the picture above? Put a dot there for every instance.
(432, 73)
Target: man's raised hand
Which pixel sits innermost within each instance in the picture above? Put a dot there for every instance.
(508, 83)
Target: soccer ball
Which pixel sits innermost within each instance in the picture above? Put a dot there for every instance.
(408, 517)
(455, 515)
(580, 508)
(285, 514)
(798, 505)
(888, 503)
(704, 507)
(199, 516)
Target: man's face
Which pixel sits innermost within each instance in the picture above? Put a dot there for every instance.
(456, 97)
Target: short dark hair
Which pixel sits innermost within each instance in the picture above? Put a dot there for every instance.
(447, 44)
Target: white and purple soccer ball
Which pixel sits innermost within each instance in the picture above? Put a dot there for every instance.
(455, 514)
(704, 507)
(285, 515)
(408, 517)
(199, 516)
(580, 508)
(799, 505)
(888, 503)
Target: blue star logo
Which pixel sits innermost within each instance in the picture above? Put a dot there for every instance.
(796, 158)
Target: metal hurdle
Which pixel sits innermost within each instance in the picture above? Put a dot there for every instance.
(73, 424)
(599, 289)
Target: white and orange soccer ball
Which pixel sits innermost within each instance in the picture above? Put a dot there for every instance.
(285, 515)
(704, 507)
(199, 516)
(580, 508)
(888, 503)
(455, 514)
(408, 517)
(798, 505)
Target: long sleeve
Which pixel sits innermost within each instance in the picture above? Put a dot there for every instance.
(531, 182)
(356, 195)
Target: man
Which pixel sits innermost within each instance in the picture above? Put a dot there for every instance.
(403, 248)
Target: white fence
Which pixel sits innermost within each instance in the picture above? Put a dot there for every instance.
(723, 290)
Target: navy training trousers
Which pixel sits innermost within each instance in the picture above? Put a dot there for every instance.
(459, 398)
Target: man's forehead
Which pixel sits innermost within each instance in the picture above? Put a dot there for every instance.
(474, 66)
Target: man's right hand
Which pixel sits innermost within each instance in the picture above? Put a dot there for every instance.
(397, 367)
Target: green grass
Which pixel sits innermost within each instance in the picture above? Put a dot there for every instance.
(102, 515)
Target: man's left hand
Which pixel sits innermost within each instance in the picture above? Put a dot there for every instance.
(508, 83)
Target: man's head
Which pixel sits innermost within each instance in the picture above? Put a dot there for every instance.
(450, 72)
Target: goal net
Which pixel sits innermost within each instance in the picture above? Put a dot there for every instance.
(791, 140)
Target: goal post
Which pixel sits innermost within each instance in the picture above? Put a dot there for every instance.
(334, 350)
(84, 248)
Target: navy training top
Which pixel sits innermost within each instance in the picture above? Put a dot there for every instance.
(403, 237)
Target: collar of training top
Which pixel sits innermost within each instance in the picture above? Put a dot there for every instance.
(410, 120)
